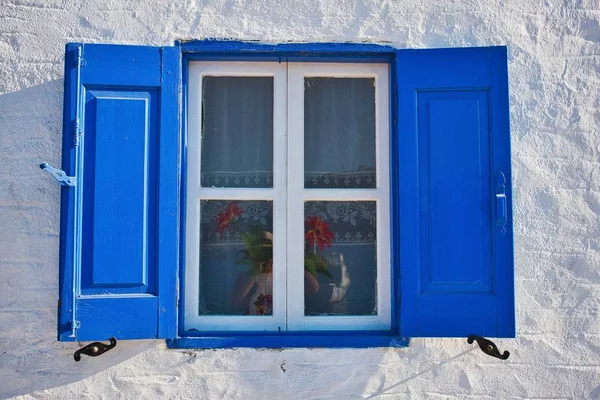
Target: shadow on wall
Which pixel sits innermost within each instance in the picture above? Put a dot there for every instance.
(325, 373)
(32, 360)
(30, 357)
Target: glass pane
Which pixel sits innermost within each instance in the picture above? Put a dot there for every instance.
(236, 257)
(339, 133)
(340, 258)
(237, 132)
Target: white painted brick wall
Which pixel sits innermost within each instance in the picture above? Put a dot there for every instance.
(554, 51)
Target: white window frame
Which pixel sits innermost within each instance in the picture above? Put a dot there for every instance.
(195, 193)
(288, 195)
(297, 195)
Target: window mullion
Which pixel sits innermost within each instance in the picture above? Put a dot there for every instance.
(295, 228)
(280, 237)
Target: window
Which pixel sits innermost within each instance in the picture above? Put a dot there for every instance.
(218, 184)
(287, 197)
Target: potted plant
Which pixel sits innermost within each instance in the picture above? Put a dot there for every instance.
(257, 255)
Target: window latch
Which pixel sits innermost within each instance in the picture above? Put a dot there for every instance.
(488, 347)
(95, 349)
(58, 174)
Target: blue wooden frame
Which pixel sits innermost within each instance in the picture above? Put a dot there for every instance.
(167, 67)
(67, 253)
(401, 158)
(229, 50)
(452, 312)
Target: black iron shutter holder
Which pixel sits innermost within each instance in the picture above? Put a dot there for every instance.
(95, 349)
(488, 347)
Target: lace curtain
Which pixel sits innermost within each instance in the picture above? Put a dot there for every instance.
(339, 133)
(237, 136)
(237, 151)
(354, 238)
(237, 132)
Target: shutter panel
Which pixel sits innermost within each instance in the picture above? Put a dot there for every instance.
(455, 200)
(119, 224)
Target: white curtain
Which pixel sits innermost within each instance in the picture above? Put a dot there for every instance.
(237, 151)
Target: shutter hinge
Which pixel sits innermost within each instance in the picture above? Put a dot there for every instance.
(177, 293)
(79, 63)
(79, 60)
(76, 324)
(76, 132)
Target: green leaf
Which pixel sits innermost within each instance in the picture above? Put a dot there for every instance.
(258, 249)
(315, 264)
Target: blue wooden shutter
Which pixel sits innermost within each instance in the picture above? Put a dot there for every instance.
(454, 199)
(119, 224)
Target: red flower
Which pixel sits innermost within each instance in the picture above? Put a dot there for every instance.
(224, 218)
(318, 232)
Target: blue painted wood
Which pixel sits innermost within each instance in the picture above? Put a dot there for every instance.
(124, 257)
(503, 242)
(286, 340)
(121, 132)
(67, 207)
(168, 192)
(232, 50)
(454, 161)
(235, 47)
(129, 66)
(453, 138)
(245, 51)
(108, 316)
(182, 193)
(405, 236)
(395, 273)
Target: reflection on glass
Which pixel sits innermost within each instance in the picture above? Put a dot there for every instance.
(236, 257)
(339, 133)
(237, 132)
(340, 258)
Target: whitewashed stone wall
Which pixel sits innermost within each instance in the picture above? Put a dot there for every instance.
(554, 51)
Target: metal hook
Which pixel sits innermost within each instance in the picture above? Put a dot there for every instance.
(95, 349)
(58, 174)
(488, 347)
